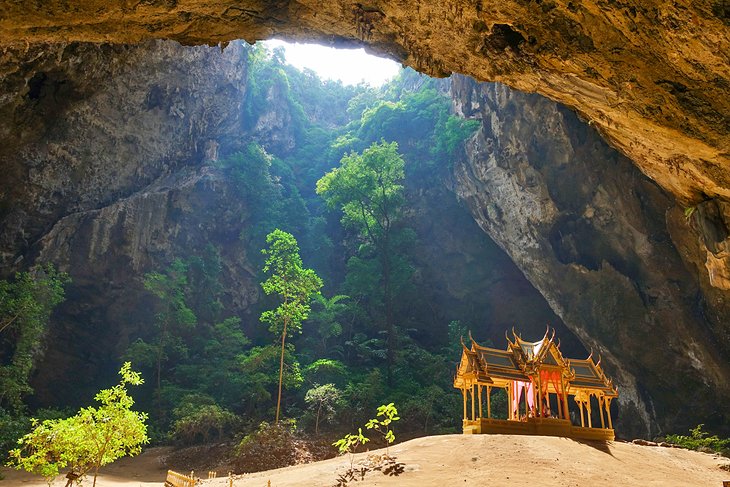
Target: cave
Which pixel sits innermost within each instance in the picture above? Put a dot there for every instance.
(624, 104)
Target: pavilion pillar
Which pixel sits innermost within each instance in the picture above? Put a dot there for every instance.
(607, 402)
(480, 401)
(489, 402)
(580, 406)
(588, 411)
(509, 401)
(600, 410)
(527, 405)
(538, 411)
(473, 412)
(463, 393)
(559, 397)
(566, 411)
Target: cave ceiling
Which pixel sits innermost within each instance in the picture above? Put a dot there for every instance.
(652, 76)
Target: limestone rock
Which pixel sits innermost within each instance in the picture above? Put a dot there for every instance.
(592, 234)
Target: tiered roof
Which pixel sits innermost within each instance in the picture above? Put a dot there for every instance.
(522, 359)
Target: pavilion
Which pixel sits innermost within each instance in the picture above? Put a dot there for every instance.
(538, 381)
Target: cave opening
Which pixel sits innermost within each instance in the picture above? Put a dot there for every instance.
(218, 168)
(242, 137)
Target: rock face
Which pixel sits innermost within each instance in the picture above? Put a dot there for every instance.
(609, 250)
(106, 176)
(174, 104)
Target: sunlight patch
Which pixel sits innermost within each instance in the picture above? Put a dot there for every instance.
(351, 66)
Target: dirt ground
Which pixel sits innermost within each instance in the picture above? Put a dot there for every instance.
(451, 460)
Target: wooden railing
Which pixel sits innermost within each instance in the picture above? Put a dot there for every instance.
(175, 479)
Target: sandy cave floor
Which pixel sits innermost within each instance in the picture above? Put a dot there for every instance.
(455, 460)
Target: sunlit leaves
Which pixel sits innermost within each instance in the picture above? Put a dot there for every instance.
(92, 438)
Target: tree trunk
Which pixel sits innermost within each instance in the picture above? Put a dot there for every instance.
(389, 325)
(316, 422)
(281, 373)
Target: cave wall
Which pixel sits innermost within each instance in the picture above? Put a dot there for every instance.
(611, 252)
(110, 174)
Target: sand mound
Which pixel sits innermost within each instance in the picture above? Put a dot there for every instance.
(453, 460)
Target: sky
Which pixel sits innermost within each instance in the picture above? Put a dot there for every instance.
(351, 66)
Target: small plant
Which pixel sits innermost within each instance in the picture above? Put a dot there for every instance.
(384, 463)
(688, 212)
(350, 442)
(382, 426)
(701, 440)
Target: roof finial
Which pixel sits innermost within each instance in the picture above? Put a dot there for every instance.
(591, 355)
(598, 364)
(514, 334)
(461, 339)
(553, 336)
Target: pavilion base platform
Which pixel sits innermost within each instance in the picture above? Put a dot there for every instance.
(536, 426)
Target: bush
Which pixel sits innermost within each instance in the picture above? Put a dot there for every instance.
(11, 428)
(203, 424)
(92, 438)
(701, 440)
(271, 446)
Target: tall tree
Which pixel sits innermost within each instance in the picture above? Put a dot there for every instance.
(367, 188)
(295, 286)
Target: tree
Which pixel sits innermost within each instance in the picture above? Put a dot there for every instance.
(323, 398)
(25, 309)
(325, 317)
(89, 440)
(295, 286)
(367, 188)
(174, 317)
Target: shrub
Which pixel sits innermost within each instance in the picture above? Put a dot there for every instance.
(203, 424)
(270, 446)
(91, 439)
(701, 440)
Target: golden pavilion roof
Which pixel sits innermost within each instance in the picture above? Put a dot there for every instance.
(523, 359)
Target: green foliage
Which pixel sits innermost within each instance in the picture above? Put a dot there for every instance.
(294, 284)
(389, 413)
(326, 371)
(201, 423)
(12, 427)
(325, 323)
(322, 399)
(701, 440)
(367, 188)
(89, 440)
(26, 303)
(270, 446)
